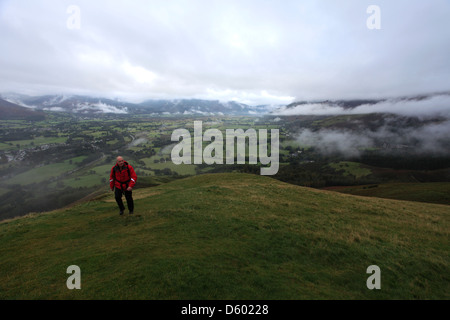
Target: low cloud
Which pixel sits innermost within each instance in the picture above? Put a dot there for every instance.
(431, 139)
(429, 106)
(106, 108)
(100, 107)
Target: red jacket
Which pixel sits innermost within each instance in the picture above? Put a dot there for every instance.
(122, 178)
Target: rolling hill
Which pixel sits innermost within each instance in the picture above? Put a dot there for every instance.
(11, 111)
(431, 192)
(230, 236)
(88, 105)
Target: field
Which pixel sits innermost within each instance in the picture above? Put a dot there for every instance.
(351, 168)
(45, 172)
(230, 236)
(433, 192)
(48, 164)
(65, 155)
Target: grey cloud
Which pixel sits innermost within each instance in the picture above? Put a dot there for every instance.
(432, 139)
(429, 106)
(335, 141)
(236, 49)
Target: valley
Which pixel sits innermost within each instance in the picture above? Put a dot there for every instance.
(48, 164)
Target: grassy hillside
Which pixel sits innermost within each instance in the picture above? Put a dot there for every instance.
(432, 192)
(11, 111)
(230, 236)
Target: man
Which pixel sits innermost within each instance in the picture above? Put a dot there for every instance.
(123, 178)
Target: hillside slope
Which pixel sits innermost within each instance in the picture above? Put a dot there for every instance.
(11, 111)
(432, 192)
(230, 236)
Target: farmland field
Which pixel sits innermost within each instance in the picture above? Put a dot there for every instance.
(72, 157)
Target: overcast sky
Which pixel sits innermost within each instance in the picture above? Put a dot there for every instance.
(251, 51)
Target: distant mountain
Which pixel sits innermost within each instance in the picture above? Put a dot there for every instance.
(344, 104)
(11, 111)
(76, 104)
(202, 107)
(92, 105)
(88, 105)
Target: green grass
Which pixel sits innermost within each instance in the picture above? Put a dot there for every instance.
(182, 169)
(36, 142)
(41, 174)
(46, 172)
(112, 142)
(433, 192)
(292, 143)
(86, 181)
(331, 121)
(5, 146)
(351, 168)
(230, 236)
(103, 170)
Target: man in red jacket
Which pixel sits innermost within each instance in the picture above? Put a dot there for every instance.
(123, 178)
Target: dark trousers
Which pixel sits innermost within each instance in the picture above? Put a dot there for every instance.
(128, 197)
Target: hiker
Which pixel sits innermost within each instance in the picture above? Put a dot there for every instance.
(123, 178)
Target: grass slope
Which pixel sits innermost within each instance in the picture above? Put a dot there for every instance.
(230, 236)
(432, 192)
(351, 168)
